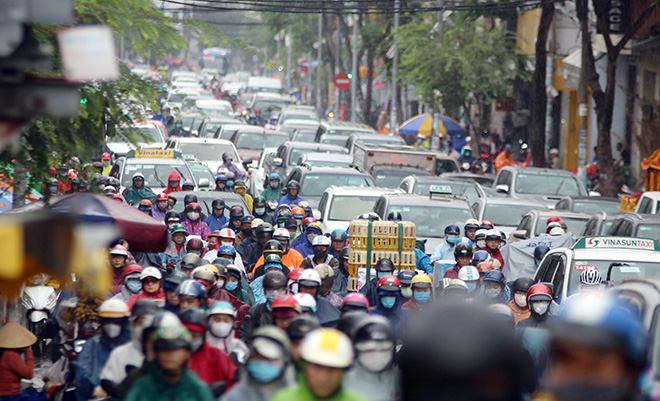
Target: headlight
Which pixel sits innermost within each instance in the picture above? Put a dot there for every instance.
(27, 302)
(50, 302)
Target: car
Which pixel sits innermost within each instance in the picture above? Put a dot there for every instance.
(207, 150)
(303, 135)
(227, 131)
(177, 95)
(314, 180)
(534, 222)
(636, 225)
(648, 203)
(203, 175)
(430, 213)
(209, 127)
(616, 258)
(206, 198)
(322, 160)
(345, 128)
(548, 185)
(156, 170)
(372, 139)
(188, 104)
(589, 204)
(340, 205)
(505, 213)
(191, 122)
(297, 113)
(250, 144)
(268, 103)
(445, 164)
(289, 153)
(421, 184)
(258, 179)
(485, 180)
(291, 125)
(264, 85)
(136, 136)
(214, 107)
(599, 224)
(338, 140)
(391, 177)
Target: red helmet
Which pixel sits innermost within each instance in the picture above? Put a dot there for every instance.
(563, 225)
(309, 220)
(53, 171)
(227, 233)
(552, 219)
(355, 299)
(194, 244)
(106, 156)
(215, 234)
(194, 206)
(117, 197)
(161, 197)
(72, 173)
(294, 274)
(487, 223)
(133, 268)
(539, 292)
(389, 283)
(285, 306)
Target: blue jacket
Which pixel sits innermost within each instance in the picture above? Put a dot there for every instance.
(216, 223)
(399, 317)
(290, 201)
(423, 262)
(444, 251)
(304, 246)
(92, 359)
(327, 315)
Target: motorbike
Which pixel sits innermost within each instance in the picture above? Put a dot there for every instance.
(39, 302)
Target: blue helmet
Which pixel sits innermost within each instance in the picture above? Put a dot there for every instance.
(275, 176)
(464, 240)
(602, 322)
(339, 235)
(494, 277)
(540, 251)
(452, 229)
(227, 250)
(221, 178)
(480, 256)
(191, 288)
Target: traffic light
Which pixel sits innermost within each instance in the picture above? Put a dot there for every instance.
(350, 75)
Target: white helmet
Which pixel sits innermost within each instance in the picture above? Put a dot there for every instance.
(455, 282)
(556, 231)
(114, 308)
(310, 278)
(480, 234)
(590, 277)
(151, 272)
(321, 240)
(493, 234)
(327, 347)
(468, 273)
(227, 233)
(306, 301)
(281, 233)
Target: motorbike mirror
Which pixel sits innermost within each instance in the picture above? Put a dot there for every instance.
(519, 234)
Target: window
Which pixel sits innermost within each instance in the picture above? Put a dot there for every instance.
(625, 230)
(644, 206)
(552, 267)
(558, 280)
(525, 224)
(322, 203)
(544, 184)
(346, 208)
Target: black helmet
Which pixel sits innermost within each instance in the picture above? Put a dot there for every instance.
(521, 284)
(384, 265)
(406, 276)
(274, 279)
(171, 214)
(452, 229)
(394, 216)
(463, 249)
(345, 252)
(194, 316)
(189, 198)
(300, 326)
(144, 307)
(235, 212)
(247, 219)
(284, 214)
(259, 201)
(190, 261)
(218, 204)
(273, 245)
(350, 320)
(540, 251)
(226, 156)
(374, 328)
(293, 184)
(263, 230)
(175, 278)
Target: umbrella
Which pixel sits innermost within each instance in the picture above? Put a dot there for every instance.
(143, 233)
(421, 124)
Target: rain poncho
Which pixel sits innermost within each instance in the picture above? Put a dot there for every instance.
(158, 214)
(229, 345)
(216, 223)
(246, 197)
(303, 393)
(134, 195)
(197, 228)
(325, 313)
(444, 251)
(154, 386)
(238, 173)
(273, 194)
(304, 246)
(174, 176)
(288, 200)
(125, 355)
(398, 316)
(383, 386)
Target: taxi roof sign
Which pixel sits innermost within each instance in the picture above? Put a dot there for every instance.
(643, 244)
(440, 189)
(154, 153)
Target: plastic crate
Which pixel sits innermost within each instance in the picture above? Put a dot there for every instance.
(384, 235)
(358, 259)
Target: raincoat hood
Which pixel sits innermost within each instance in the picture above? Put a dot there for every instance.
(174, 176)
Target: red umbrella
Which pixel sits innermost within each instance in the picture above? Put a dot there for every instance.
(143, 233)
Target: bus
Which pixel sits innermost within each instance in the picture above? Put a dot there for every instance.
(216, 58)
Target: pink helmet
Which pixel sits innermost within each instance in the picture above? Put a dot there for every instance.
(354, 301)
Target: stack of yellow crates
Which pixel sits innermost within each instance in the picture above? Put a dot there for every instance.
(380, 239)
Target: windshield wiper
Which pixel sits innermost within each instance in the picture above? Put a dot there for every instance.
(159, 180)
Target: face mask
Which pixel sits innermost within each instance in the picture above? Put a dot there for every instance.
(383, 274)
(134, 285)
(388, 302)
(406, 292)
(106, 163)
(492, 292)
(540, 307)
(260, 211)
(62, 173)
(196, 344)
(311, 236)
(162, 205)
(246, 232)
(262, 371)
(481, 243)
(375, 361)
(271, 295)
(112, 330)
(230, 183)
(293, 288)
(220, 283)
(193, 216)
(590, 392)
(221, 330)
(136, 335)
(227, 243)
(471, 286)
(521, 300)
(231, 286)
(452, 239)
(537, 262)
(179, 125)
(422, 297)
(274, 184)
(320, 254)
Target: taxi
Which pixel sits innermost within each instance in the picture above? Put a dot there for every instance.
(155, 164)
(617, 259)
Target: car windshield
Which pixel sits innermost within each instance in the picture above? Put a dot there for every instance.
(334, 141)
(544, 184)
(207, 151)
(346, 208)
(329, 163)
(445, 166)
(247, 140)
(303, 136)
(316, 184)
(392, 178)
(348, 132)
(155, 174)
(606, 227)
(142, 134)
(294, 157)
(202, 172)
(618, 271)
(649, 231)
(430, 220)
(457, 188)
(310, 117)
(506, 215)
(187, 121)
(574, 225)
(595, 207)
(267, 107)
(176, 97)
(214, 110)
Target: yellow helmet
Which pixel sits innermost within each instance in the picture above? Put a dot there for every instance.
(421, 281)
(327, 347)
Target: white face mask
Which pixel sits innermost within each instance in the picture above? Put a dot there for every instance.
(221, 329)
(521, 300)
(227, 243)
(193, 216)
(271, 295)
(196, 344)
(540, 307)
(375, 361)
(481, 243)
(112, 330)
(492, 292)
(220, 283)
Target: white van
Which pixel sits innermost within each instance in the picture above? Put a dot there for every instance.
(263, 84)
(648, 203)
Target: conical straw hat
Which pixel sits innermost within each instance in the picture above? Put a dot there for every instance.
(13, 335)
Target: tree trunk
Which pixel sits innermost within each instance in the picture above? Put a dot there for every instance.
(604, 109)
(539, 98)
(366, 104)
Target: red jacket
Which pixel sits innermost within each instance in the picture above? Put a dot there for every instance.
(452, 273)
(220, 294)
(496, 254)
(174, 176)
(159, 296)
(13, 369)
(212, 365)
(414, 307)
(117, 280)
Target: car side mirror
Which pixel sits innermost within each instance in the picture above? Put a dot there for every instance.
(502, 188)
(519, 234)
(246, 162)
(277, 161)
(194, 133)
(316, 214)
(204, 183)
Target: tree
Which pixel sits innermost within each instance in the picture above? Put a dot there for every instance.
(604, 98)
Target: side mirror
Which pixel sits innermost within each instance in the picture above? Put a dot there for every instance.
(194, 133)
(502, 188)
(277, 161)
(247, 162)
(204, 183)
(316, 214)
(519, 234)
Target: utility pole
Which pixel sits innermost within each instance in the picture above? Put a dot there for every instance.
(287, 42)
(309, 79)
(583, 113)
(338, 67)
(354, 70)
(395, 70)
(318, 66)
